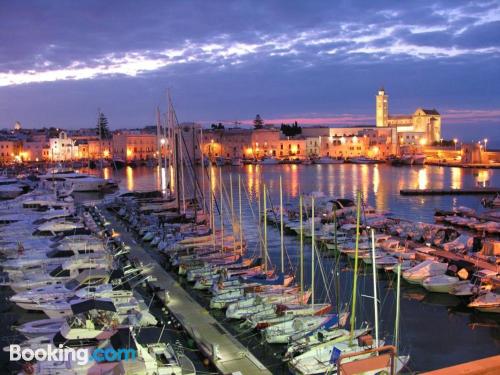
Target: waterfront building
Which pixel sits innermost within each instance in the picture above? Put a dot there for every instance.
(134, 145)
(10, 150)
(34, 150)
(423, 124)
(62, 148)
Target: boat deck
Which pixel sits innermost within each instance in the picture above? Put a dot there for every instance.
(224, 351)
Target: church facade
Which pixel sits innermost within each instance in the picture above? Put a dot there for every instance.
(422, 127)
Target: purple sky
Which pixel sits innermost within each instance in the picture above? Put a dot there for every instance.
(317, 61)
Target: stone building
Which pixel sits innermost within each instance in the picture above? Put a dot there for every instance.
(424, 123)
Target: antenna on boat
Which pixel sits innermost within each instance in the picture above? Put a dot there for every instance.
(355, 283)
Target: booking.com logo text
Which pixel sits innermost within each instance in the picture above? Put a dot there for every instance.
(80, 356)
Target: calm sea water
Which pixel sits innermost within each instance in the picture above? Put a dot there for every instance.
(437, 330)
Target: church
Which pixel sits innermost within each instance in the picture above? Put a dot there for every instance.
(423, 127)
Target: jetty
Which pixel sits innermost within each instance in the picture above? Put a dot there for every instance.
(463, 191)
(225, 352)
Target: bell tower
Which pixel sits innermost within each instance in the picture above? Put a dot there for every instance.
(382, 108)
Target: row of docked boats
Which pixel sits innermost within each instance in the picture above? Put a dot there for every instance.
(63, 260)
(440, 258)
(215, 259)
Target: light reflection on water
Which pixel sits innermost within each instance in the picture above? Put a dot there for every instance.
(436, 329)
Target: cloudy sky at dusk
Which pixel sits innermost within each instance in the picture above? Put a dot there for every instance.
(314, 61)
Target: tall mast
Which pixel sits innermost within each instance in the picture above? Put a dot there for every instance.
(355, 283)
(221, 204)
(398, 292)
(233, 218)
(375, 297)
(212, 205)
(240, 215)
(265, 229)
(200, 146)
(301, 247)
(313, 256)
(281, 228)
(158, 138)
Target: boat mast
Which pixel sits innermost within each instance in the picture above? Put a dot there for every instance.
(301, 232)
(375, 297)
(200, 146)
(221, 211)
(212, 213)
(398, 291)
(231, 198)
(355, 283)
(240, 213)
(264, 207)
(312, 251)
(158, 137)
(281, 228)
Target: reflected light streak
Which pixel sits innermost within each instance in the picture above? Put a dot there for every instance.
(364, 180)
(456, 178)
(130, 178)
(163, 180)
(294, 174)
(483, 178)
(423, 180)
(106, 173)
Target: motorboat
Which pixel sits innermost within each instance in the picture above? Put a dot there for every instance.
(33, 299)
(362, 160)
(422, 271)
(488, 302)
(440, 283)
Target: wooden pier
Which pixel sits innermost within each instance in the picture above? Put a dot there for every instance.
(227, 354)
(466, 191)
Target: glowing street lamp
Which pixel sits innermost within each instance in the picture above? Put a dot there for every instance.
(485, 141)
(455, 142)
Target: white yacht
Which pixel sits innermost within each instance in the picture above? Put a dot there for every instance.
(78, 182)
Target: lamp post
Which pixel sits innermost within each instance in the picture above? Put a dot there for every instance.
(485, 141)
(455, 142)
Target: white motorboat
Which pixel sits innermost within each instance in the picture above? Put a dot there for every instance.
(488, 302)
(440, 283)
(33, 299)
(422, 271)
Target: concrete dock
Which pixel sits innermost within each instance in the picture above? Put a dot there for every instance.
(465, 191)
(227, 354)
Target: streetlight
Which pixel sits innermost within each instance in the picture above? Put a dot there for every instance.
(455, 142)
(485, 141)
